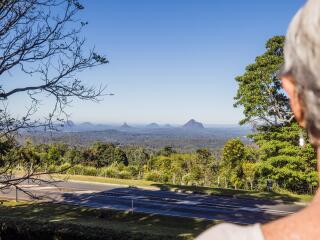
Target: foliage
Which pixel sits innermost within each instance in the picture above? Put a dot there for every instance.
(260, 92)
(249, 172)
(102, 154)
(233, 154)
(167, 151)
(275, 156)
(291, 166)
(280, 158)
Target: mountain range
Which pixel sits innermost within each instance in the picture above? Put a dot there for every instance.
(189, 136)
(71, 126)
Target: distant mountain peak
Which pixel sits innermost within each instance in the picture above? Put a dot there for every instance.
(193, 124)
(125, 125)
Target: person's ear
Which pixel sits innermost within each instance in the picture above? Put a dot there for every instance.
(295, 100)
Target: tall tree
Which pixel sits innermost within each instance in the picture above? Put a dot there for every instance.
(249, 171)
(233, 155)
(266, 105)
(260, 92)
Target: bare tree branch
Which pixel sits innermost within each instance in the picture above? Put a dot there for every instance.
(40, 40)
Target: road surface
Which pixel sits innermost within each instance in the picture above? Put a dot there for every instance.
(237, 210)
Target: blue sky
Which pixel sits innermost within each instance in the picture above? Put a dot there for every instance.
(172, 60)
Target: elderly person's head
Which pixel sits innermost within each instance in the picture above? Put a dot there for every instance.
(301, 73)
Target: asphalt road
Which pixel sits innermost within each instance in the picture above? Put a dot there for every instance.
(237, 210)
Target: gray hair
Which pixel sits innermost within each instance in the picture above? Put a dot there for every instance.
(302, 60)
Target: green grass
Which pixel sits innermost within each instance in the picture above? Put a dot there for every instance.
(105, 219)
(282, 195)
(128, 182)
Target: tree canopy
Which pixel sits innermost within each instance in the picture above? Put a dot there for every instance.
(259, 88)
(280, 158)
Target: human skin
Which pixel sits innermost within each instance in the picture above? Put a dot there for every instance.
(304, 225)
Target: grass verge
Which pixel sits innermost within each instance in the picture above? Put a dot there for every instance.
(282, 195)
(39, 220)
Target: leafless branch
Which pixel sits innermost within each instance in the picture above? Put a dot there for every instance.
(40, 40)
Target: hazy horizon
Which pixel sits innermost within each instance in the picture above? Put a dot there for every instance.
(173, 124)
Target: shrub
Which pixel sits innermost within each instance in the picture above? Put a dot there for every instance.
(90, 171)
(64, 167)
(153, 175)
(125, 174)
(82, 170)
(75, 170)
(110, 172)
(134, 171)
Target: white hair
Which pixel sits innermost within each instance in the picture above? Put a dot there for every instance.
(302, 60)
